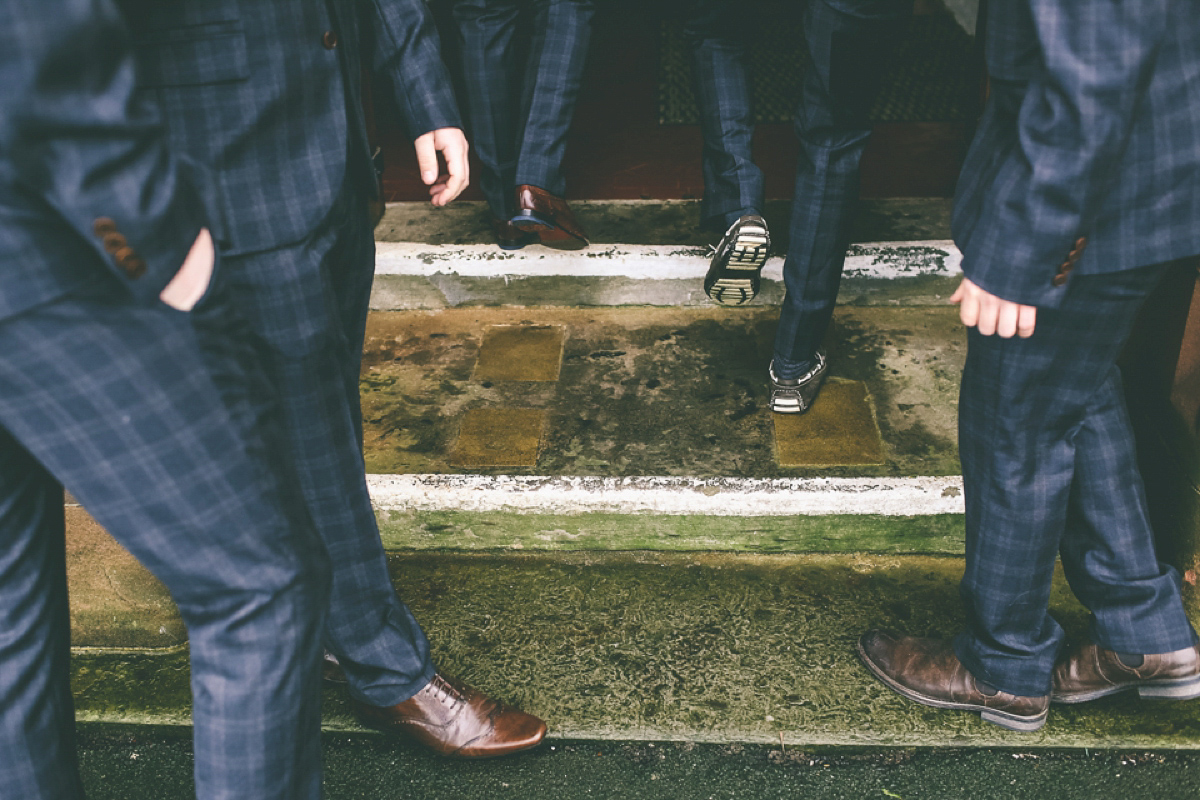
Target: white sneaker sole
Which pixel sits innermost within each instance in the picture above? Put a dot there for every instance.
(749, 254)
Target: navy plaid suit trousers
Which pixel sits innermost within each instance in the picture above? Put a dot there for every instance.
(159, 423)
(307, 305)
(520, 114)
(846, 42)
(1049, 468)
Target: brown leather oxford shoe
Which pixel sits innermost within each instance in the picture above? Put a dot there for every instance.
(548, 216)
(928, 672)
(1089, 672)
(456, 720)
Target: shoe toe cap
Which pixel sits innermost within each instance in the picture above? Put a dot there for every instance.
(512, 732)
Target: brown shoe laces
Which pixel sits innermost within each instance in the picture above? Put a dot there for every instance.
(446, 692)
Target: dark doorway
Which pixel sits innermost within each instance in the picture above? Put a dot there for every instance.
(619, 148)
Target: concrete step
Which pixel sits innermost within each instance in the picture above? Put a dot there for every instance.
(643, 253)
(716, 647)
(647, 428)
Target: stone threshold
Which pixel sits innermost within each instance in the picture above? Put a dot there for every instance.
(867, 261)
(644, 253)
(414, 276)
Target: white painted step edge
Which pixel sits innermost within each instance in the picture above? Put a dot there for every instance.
(736, 497)
(877, 260)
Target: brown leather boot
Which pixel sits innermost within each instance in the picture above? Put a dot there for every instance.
(550, 217)
(1089, 671)
(928, 672)
(456, 720)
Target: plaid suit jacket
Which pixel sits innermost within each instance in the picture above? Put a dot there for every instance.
(1092, 130)
(89, 190)
(267, 94)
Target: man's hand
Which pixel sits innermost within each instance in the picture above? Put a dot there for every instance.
(989, 314)
(452, 144)
(191, 282)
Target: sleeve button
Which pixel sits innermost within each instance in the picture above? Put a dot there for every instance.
(114, 242)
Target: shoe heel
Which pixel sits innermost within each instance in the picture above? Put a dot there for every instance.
(1012, 723)
(1181, 689)
(531, 222)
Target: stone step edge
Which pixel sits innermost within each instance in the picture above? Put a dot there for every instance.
(667, 495)
(883, 261)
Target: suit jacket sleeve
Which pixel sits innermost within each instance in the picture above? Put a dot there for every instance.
(83, 145)
(1072, 125)
(407, 50)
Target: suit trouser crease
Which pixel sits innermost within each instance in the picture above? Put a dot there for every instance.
(847, 43)
(159, 424)
(308, 303)
(1049, 467)
(716, 32)
(520, 114)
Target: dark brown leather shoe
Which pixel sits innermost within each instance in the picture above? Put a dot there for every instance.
(928, 672)
(549, 217)
(509, 236)
(1089, 672)
(331, 669)
(456, 720)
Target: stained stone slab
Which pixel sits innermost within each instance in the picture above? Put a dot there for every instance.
(838, 431)
(654, 391)
(115, 601)
(499, 437)
(520, 353)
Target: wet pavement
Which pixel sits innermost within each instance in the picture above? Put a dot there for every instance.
(153, 765)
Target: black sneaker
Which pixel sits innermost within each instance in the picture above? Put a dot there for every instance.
(737, 262)
(797, 396)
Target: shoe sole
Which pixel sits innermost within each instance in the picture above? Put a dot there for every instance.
(1013, 722)
(1166, 689)
(517, 245)
(531, 223)
(547, 233)
(792, 405)
(749, 253)
(786, 407)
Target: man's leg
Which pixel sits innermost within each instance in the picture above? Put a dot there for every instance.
(154, 421)
(308, 305)
(37, 714)
(1107, 550)
(562, 31)
(1048, 460)
(493, 84)
(848, 42)
(717, 32)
